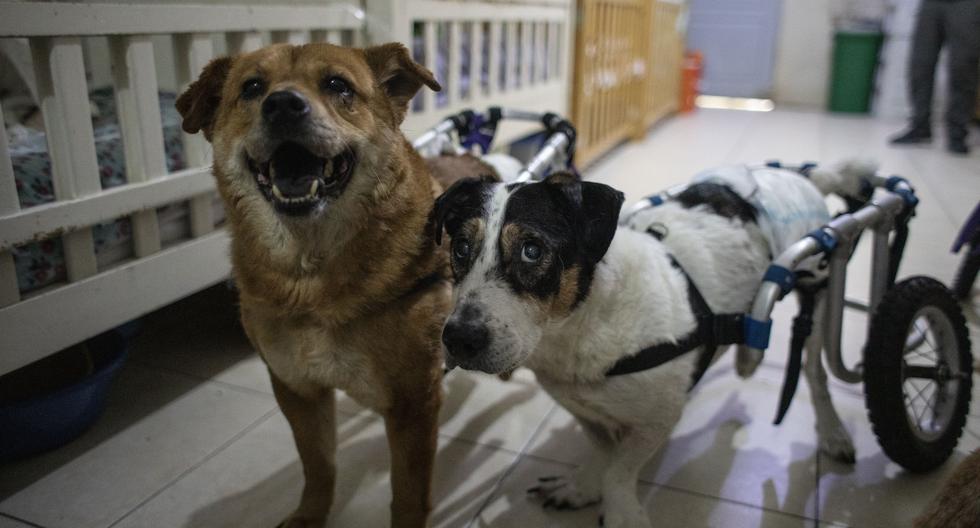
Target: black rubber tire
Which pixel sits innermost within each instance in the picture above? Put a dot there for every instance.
(883, 381)
(963, 283)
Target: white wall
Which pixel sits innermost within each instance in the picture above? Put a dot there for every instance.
(801, 75)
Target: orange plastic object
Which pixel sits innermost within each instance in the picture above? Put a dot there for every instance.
(691, 70)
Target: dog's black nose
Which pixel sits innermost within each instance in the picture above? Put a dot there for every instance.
(465, 338)
(284, 107)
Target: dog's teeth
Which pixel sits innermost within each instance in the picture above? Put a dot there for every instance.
(313, 188)
(278, 193)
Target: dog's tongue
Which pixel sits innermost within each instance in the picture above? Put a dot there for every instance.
(293, 169)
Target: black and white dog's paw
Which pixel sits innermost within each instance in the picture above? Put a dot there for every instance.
(837, 444)
(564, 493)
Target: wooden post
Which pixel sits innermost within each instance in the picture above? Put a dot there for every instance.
(63, 94)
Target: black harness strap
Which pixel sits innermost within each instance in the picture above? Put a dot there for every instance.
(711, 331)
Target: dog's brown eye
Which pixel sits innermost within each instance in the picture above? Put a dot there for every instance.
(252, 88)
(531, 252)
(338, 86)
(461, 249)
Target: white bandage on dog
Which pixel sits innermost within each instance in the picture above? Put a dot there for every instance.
(787, 207)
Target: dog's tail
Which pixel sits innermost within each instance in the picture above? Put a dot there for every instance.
(848, 179)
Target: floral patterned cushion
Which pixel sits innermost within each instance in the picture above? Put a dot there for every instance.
(42, 263)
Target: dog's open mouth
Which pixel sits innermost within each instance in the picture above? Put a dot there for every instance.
(296, 181)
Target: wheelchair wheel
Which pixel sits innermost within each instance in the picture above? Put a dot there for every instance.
(918, 373)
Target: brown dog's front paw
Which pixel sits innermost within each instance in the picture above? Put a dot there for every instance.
(299, 521)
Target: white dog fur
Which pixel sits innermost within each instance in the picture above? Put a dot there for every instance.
(637, 298)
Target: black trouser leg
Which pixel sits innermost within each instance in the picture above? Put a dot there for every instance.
(926, 43)
(963, 40)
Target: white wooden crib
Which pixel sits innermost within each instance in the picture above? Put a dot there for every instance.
(516, 54)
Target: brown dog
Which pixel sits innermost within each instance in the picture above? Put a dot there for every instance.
(957, 505)
(340, 286)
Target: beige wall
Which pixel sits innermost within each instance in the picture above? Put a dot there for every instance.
(803, 53)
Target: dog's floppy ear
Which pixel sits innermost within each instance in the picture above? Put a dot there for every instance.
(462, 200)
(199, 103)
(399, 75)
(597, 205)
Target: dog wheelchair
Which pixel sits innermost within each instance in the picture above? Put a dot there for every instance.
(477, 130)
(916, 363)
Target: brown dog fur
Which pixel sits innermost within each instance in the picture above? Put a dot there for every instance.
(958, 504)
(354, 298)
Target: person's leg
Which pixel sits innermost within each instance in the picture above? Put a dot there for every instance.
(927, 40)
(963, 37)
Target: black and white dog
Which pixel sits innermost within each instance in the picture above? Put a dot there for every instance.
(549, 277)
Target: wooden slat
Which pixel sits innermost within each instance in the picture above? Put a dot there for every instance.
(32, 328)
(431, 60)
(138, 106)
(333, 36)
(40, 19)
(9, 291)
(455, 52)
(494, 58)
(243, 42)
(63, 92)
(511, 65)
(71, 215)
(192, 52)
(540, 54)
(553, 52)
(295, 37)
(448, 11)
(476, 59)
(8, 184)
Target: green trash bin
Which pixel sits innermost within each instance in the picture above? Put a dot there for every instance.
(855, 60)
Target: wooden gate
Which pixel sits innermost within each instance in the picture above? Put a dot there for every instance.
(627, 66)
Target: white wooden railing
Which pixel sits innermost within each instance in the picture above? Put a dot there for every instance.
(529, 41)
(93, 300)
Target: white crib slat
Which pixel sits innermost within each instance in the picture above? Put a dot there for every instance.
(9, 292)
(540, 53)
(554, 55)
(8, 185)
(494, 58)
(527, 53)
(454, 93)
(431, 55)
(333, 36)
(511, 71)
(138, 104)
(63, 93)
(295, 37)
(476, 59)
(192, 52)
(243, 41)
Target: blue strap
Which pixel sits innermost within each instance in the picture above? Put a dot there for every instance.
(655, 200)
(757, 333)
(807, 167)
(774, 164)
(908, 195)
(825, 238)
(784, 277)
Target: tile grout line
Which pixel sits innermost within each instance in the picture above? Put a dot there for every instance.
(725, 499)
(510, 469)
(237, 436)
(169, 370)
(22, 521)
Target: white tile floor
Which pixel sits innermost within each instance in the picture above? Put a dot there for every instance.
(193, 437)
